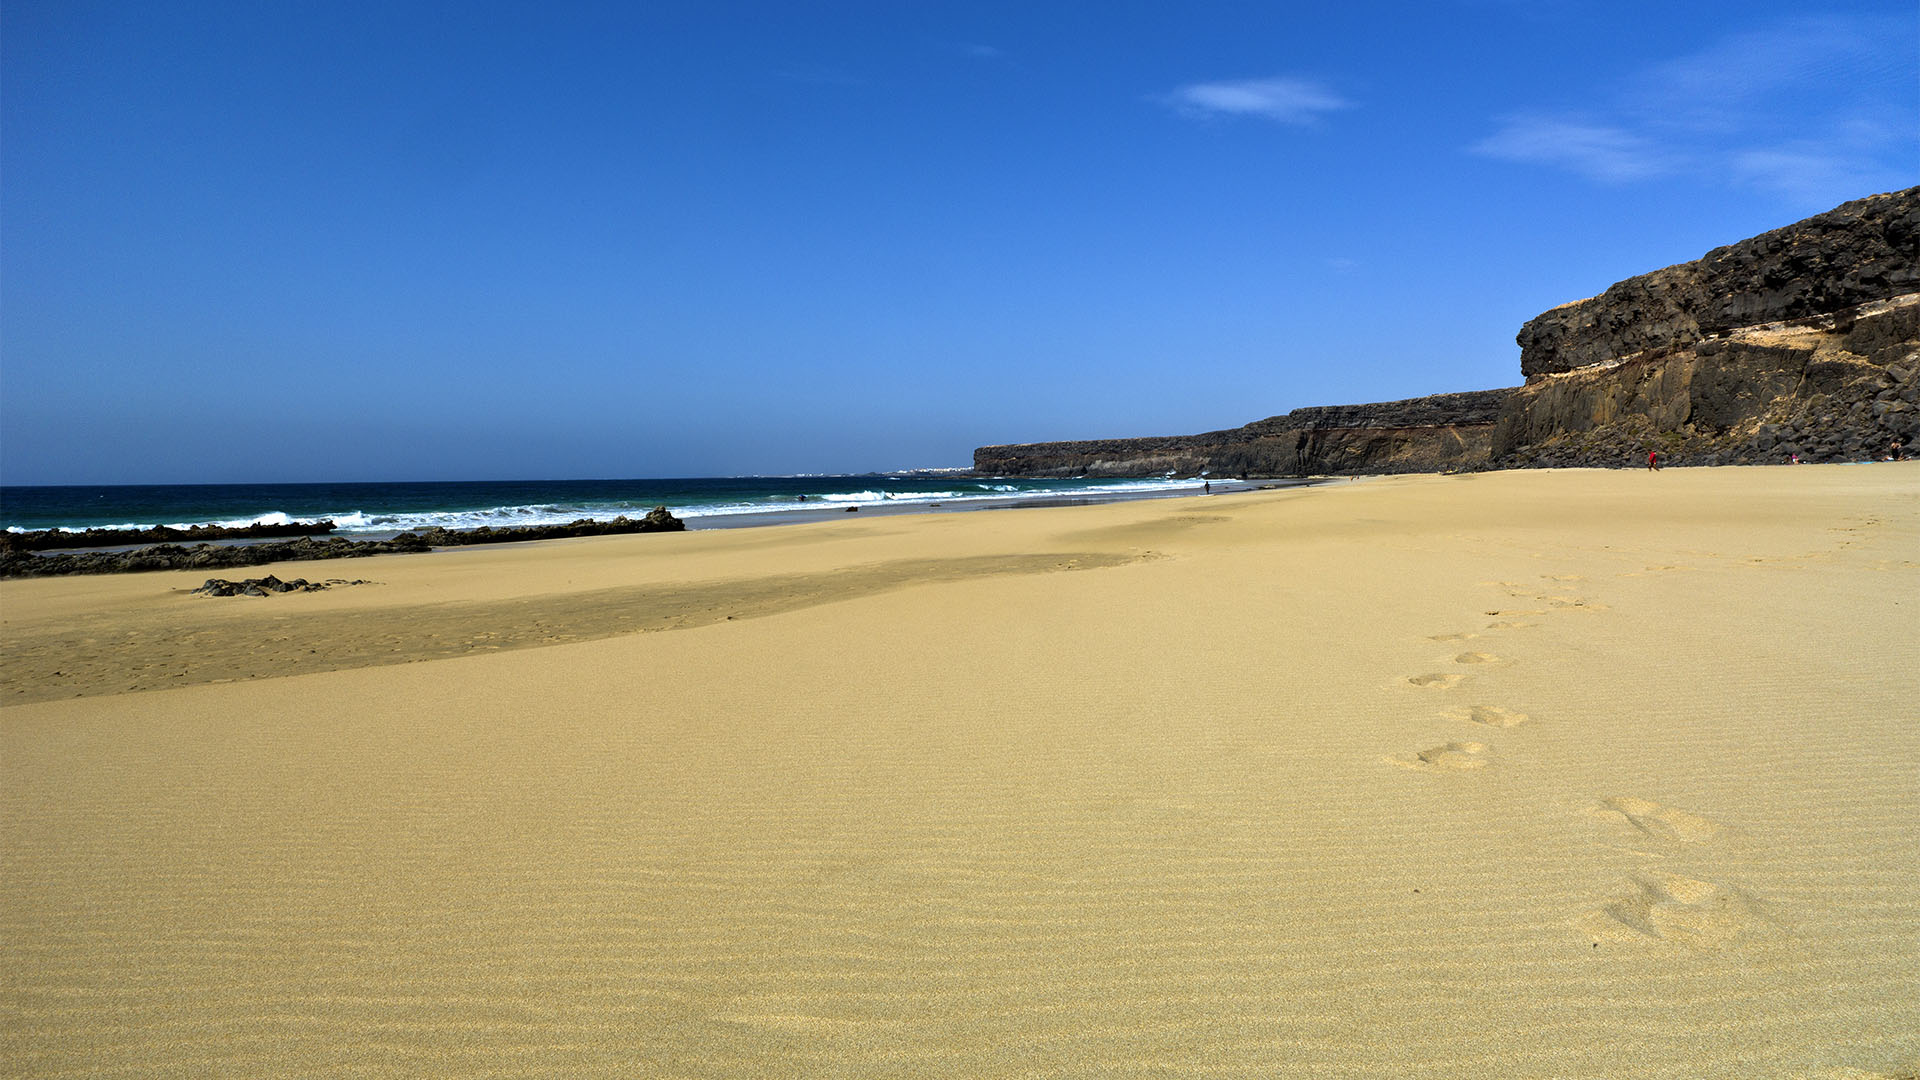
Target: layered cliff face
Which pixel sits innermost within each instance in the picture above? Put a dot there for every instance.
(1840, 387)
(1803, 342)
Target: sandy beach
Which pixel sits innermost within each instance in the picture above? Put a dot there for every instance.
(1558, 773)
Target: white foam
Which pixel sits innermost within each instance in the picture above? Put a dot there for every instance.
(273, 518)
(498, 517)
(354, 521)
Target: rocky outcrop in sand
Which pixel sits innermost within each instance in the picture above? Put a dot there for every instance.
(267, 586)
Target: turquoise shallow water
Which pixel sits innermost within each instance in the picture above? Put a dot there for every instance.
(385, 508)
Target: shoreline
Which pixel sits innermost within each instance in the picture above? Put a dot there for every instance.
(799, 516)
(794, 515)
(372, 507)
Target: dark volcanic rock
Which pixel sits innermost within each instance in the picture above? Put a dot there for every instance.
(1859, 252)
(269, 584)
(1428, 434)
(1770, 394)
(49, 539)
(203, 556)
(217, 556)
(657, 520)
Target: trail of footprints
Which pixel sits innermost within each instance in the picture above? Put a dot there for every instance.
(1660, 906)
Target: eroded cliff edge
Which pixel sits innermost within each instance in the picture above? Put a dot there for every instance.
(1801, 342)
(1836, 387)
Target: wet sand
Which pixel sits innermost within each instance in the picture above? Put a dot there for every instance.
(1572, 773)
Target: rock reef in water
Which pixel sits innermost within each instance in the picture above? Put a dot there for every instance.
(1801, 342)
(658, 519)
(224, 556)
(51, 539)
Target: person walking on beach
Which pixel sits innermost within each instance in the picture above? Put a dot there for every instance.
(1653, 461)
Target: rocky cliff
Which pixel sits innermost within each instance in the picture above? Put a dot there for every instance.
(1854, 254)
(1838, 387)
(1429, 434)
(1801, 342)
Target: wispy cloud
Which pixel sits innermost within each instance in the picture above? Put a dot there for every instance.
(980, 52)
(1283, 99)
(1796, 107)
(1606, 153)
(1723, 85)
(1847, 159)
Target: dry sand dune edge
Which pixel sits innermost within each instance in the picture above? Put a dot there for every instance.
(112, 653)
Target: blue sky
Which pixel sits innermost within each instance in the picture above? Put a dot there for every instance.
(368, 241)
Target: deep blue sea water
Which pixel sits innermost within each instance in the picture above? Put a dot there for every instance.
(386, 508)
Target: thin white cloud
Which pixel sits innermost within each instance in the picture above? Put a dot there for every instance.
(1283, 99)
(981, 52)
(1611, 155)
(1724, 84)
(1797, 107)
(1809, 170)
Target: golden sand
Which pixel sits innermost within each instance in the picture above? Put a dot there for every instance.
(1572, 774)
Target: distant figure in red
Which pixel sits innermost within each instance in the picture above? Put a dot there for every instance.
(1653, 461)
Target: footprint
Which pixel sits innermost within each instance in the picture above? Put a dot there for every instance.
(1454, 755)
(1563, 577)
(1461, 636)
(1663, 822)
(1510, 624)
(1495, 716)
(1668, 907)
(1475, 658)
(1437, 680)
(1576, 602)
(1449, 757)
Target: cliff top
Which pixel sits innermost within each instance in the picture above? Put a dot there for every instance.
(1856, 253)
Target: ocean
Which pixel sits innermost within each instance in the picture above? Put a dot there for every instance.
(372, 510)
